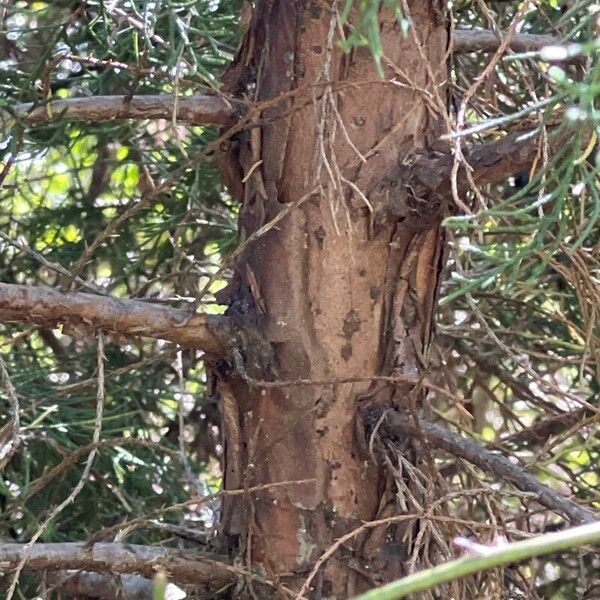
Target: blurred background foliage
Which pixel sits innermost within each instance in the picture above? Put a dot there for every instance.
(517, 349)
(61, 185)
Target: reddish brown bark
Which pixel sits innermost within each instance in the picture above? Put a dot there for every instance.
(335, 295)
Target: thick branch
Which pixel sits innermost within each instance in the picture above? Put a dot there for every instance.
(484, 40)
(44, 306)
(421, 193)
(119, 559)
(199, 109)
(491, 162)
(494, 465)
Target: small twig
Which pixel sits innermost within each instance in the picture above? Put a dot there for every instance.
(51, 265)
(185, 463)
(9, 448)
(109, 532)
(428, 516)
(259, 233)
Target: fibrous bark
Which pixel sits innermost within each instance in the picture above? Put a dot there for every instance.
(334, 297)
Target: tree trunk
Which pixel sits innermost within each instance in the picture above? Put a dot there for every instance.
(340, 288)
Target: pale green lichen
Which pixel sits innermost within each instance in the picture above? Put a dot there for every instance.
(305, 543)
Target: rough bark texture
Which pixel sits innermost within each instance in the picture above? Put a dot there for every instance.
(77, 310)
(337, 292)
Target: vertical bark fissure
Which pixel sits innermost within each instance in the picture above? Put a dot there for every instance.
(340, 299)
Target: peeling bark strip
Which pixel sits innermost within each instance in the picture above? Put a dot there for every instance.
(120, 558)
(401, 424)
(334, 300)
(199, 109)
(44, 306)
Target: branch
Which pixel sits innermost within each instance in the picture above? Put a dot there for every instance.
(421, 193)
(109, 587)
(199, 109)
(495, 465)
(491, 162)
(484, 40)
(44, 306)
(543, 429)
(204, 109)
(120, 559)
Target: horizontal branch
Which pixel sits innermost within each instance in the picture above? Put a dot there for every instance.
(205, 109)
(109, 587)
(112, 558)
(199, 109)
(48, 307)
(494, 465)
(540, 431)
(484, 40)
(490, 162)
